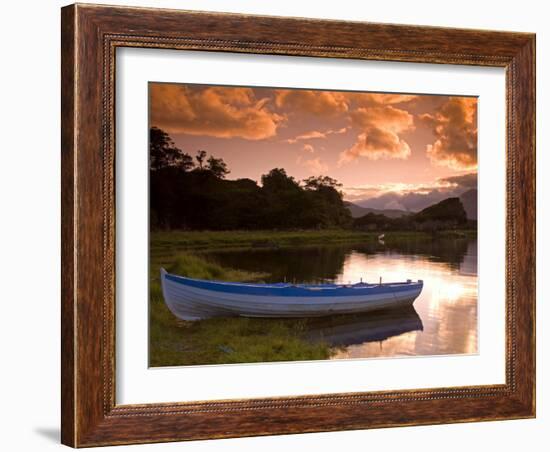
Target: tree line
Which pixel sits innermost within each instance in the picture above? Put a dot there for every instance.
(192, 192)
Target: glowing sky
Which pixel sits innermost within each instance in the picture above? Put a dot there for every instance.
(388, 150)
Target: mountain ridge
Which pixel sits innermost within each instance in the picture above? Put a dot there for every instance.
(469, 201)
(359, 211)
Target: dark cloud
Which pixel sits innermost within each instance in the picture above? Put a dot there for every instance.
(468, 180)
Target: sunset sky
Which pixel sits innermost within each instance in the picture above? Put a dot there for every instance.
(388, 150)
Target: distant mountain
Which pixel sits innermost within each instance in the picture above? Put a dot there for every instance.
(446, 214)
(448, 210)
(469, 201)
(358, 211)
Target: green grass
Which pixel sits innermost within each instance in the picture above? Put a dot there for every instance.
(459, 234)
(166, 241)
(232, 340)
(200, 267)
(175, 342)
(236, 239)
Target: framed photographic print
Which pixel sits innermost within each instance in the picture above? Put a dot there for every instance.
(279, 225)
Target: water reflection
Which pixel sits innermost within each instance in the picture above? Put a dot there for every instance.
(358, 329)
(444, 318)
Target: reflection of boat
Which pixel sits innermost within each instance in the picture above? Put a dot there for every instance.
(193, 299)
(357, 329)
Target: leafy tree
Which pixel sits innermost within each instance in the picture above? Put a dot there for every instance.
(315, 183)
(277, 180)
(201, 156)
(184, 195)
(217, 166)
(330, 210)
(163, 152)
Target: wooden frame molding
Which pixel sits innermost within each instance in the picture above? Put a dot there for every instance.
(90, 36)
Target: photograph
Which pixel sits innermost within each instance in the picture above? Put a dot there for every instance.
(290, 224)
(303, 227)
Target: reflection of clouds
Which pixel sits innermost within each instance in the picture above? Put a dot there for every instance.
(447, 304)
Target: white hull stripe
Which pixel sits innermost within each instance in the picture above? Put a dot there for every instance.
(190, 303)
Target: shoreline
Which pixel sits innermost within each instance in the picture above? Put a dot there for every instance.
(281, 239)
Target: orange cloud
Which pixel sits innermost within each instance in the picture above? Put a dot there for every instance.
(320, 103)
(331, 103)
(316, 134)
(455, 128)
(214, 111)
(377, 144)
(315, 166)
(381, 99)
(382, 117)
(306, 136)
(308, 148)
(381, 126)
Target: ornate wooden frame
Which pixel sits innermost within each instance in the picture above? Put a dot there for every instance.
(90, 35)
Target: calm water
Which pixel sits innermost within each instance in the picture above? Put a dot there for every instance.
(442, 321)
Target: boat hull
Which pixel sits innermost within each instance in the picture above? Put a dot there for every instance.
(190, 299)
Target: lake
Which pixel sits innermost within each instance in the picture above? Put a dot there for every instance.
(443, 319)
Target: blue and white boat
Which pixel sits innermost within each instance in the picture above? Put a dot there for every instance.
(194, 299)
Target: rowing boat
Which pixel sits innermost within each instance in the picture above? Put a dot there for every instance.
(194, 299)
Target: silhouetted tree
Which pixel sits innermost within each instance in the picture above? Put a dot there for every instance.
(217, 166)
(163, 152)
(201, 156)
(188, 196)
(314, 183)
(277, 180)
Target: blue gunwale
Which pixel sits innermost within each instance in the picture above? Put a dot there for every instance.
(295, 290)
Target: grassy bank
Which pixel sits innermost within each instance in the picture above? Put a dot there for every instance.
(237, 239)
(168, 240)
(225, 340)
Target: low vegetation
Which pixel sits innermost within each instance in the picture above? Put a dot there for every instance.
(167, 240)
